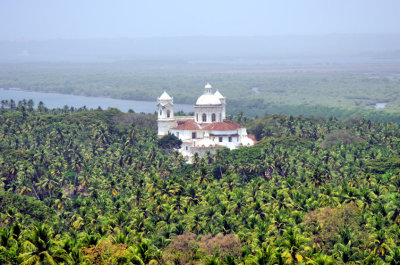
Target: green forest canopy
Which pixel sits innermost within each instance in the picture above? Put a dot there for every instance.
(94, 187)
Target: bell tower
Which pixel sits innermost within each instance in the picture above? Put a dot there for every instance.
(165, 113)
(165, 106)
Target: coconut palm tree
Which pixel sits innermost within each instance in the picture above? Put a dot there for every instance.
(40, 248)
(263, 256)
(293, 244)
(143, 254)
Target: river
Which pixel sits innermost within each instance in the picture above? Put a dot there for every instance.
(381, 105)
(56, 100)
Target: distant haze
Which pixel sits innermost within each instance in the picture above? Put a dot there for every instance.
(254, 50)
(82, 19)
(100, 30)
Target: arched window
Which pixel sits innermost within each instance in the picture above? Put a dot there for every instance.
(213, 117)
(168, 113)
(204, 117)
(160, 112)
(197, 117)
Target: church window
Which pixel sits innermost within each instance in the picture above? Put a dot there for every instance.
(193, 135)
(168, 113)
(213, 117)
(230, 138)
(220, 139)
(204, 117)
(197, 117)
(187, 148)
(160, 112)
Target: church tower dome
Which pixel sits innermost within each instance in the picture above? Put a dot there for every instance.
(209, 107)
(208, 98)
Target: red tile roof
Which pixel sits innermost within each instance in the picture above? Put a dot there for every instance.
(214, 126)
(222, 126)
(187, 125)
(252, 137)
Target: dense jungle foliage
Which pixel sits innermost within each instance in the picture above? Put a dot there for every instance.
(97, 187)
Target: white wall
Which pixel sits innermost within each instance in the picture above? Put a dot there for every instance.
(199, 110)
(185, 134)
(165, 125)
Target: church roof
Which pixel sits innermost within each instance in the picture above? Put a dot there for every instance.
(208, 99)
(252, 137)
(225, 125)
(165, 96)
(187, 125)
(214, 126)
(163, 104)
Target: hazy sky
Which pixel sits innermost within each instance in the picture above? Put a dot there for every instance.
(72, 19)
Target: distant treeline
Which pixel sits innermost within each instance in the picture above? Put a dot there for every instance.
(254, 90)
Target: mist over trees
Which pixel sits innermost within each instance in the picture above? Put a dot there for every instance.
(336, 48)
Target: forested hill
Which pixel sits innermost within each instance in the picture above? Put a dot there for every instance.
(95, 187)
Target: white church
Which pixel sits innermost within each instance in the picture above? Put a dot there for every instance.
(208, 130)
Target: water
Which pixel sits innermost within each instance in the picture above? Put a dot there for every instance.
(55, 100)
(255, 90)
(381, 105)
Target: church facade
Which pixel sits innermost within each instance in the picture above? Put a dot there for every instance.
(207, 130)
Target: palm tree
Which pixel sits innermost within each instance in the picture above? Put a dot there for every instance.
(72, 247)
(379, 245)
(394, 256)
(6, 238)
(47, 184)
(193, 197)
(177, 204)
(393, 207)
(196, 159)
(263, 256)
(41, 249)
(197, 224)
(293, 244)
(346, 253)
(231, 181)
(318, 177)
(321, 259)
(4, 103)
(143, 253)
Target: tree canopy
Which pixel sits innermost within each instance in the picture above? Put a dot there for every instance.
(85, 186)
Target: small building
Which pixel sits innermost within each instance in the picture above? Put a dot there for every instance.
(207, 130)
